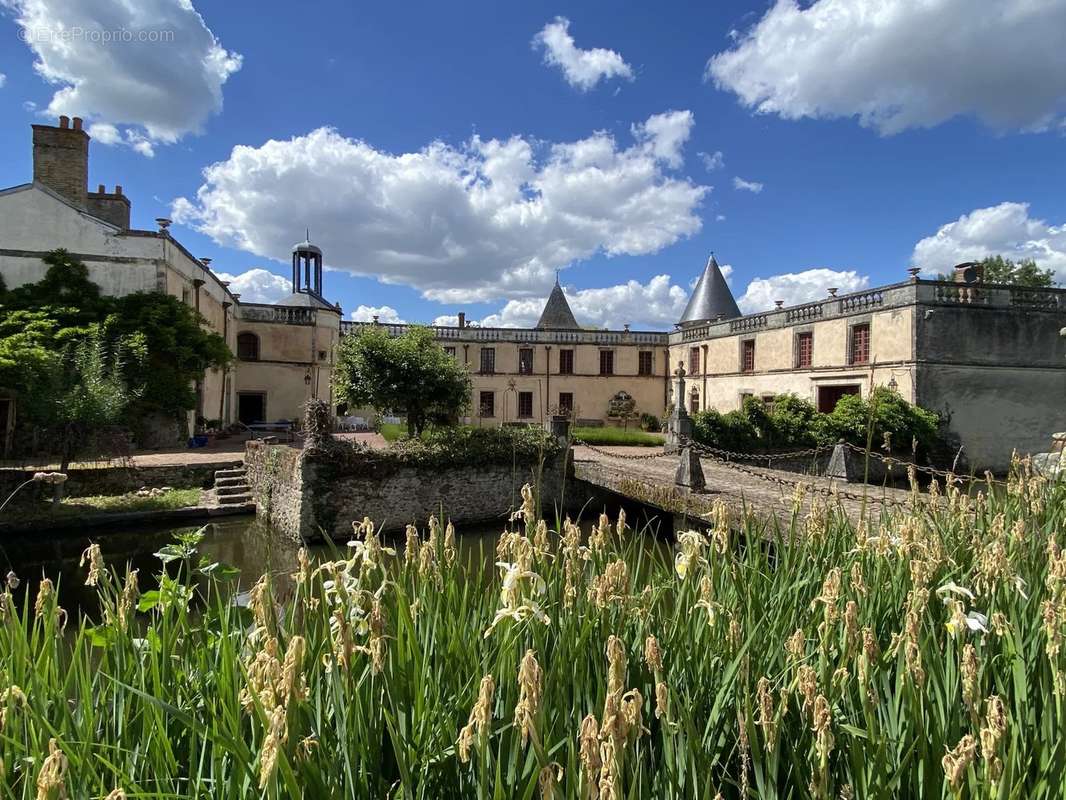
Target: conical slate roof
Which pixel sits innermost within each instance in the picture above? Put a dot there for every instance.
(711, 298)
(557, 314)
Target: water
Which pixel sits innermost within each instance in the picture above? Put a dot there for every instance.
(246, 543)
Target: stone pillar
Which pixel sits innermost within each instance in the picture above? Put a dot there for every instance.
(689, 471)
(560, 429)
(679, 425)
(842, 464)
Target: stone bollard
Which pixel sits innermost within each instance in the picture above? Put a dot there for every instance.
(560, 429)
(842, 464)
(689, 471)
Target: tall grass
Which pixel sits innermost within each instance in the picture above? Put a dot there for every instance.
(918, 657)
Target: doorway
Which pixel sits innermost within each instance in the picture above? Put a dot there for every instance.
(251, 407)
(829, 396)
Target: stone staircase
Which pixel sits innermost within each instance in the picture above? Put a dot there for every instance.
(231, 487)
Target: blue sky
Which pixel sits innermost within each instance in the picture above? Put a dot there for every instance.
(939, 139)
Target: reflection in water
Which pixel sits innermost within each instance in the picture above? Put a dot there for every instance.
(246, 543)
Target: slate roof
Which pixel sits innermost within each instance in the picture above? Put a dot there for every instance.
(711, 298)
(557, 314)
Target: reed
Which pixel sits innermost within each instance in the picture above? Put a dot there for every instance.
(918, 656)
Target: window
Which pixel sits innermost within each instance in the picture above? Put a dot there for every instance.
(768, 402)
(488, 360)
(525, 405)
(487, 405)
(694, 402)
(449, 351)
(321, 355)
(606, 362)
(644, 362)
(525, 361)
(860, 344)
(247, 347)
(693, 361)
(804, 349)
(747, 355)
(566, 362)
(566, 403)
(745, 397)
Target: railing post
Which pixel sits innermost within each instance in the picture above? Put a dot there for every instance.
(842, 466)
(689, 471)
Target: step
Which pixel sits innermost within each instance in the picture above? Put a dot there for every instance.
(235, 499)
(223, 491)
(233, 480)
(236, 472)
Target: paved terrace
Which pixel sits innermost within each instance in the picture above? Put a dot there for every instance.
(649, 478)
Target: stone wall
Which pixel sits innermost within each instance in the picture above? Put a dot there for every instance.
(310, 495)
(111, 480)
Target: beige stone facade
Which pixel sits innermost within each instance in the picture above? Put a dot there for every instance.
(528, 375)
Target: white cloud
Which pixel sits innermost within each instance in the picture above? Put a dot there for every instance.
(3, 80)
(903, 64)
(385, 314)
(258, 285)
(712, 161)
(583, 69)
(664, 135)
(747, 186)
(719, 218)
(482, 221)
(799, 287)
(29, 105)
(1006, 229)
(153, 65)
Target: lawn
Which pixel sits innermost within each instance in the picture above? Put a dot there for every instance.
(113, 504)
(618, 437)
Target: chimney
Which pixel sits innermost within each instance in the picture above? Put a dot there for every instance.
(61, 160)
(462, 319)
(113, 208)
(970, 272)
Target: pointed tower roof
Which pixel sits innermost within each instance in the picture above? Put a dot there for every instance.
(557, 313)
(711, 298)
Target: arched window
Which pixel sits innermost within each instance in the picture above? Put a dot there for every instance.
(247, 347)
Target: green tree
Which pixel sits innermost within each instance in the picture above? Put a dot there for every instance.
(1026, 272)
(178, 347)
(408, 374)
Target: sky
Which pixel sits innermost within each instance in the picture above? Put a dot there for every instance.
(457, 157)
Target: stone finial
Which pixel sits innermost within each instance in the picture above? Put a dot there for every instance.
(833, 291)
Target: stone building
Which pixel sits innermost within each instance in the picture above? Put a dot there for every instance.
(284, 351)
(987, 357)
(529, 374)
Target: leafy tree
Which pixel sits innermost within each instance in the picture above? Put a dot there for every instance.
(408, 374)
(177, 347)
(1026, 272)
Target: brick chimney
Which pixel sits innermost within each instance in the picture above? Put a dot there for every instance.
(110, 207)
(462, 319)
(61, 159)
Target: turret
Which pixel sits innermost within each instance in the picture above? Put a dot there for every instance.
(711, 299)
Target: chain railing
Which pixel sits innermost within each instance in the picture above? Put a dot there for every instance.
(629, 456)
(946, 474)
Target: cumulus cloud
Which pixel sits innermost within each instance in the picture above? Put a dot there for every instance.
(905, 64)
(747, 186)
(485, 220)
(153, 67)
(712, 161)
(384, 314)
(799, 287)
(583, 69)
(1006, 229)
(258, 285)
(3, 80)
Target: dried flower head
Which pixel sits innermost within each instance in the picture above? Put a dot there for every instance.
(529, 693)
(956, 762)
(480, 718)
(51, 780)
(95, 559)
(653, 656)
